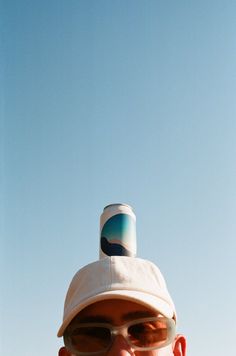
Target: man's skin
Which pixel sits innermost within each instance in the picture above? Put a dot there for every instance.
(118, 312)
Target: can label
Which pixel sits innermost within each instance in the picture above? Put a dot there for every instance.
(118, 231)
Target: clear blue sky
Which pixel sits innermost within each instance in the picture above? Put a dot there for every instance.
(118, 101)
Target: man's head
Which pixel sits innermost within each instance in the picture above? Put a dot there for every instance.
(130, 297)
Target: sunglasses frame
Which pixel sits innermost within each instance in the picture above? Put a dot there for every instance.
(119, 330)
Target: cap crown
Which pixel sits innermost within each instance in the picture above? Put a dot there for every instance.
(117, 277)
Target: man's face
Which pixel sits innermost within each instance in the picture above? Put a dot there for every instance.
(119, 312)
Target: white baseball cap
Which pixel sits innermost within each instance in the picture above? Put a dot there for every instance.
(117, 277)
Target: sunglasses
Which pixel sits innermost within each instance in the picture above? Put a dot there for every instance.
(96, 338)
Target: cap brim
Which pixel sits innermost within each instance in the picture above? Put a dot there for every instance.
(150, 301)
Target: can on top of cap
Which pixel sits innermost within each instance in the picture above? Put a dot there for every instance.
(117, 231)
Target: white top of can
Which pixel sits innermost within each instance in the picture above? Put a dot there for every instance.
(118, 206)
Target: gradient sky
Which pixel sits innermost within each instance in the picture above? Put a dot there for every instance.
(118, 101)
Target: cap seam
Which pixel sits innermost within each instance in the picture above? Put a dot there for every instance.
(111, 274)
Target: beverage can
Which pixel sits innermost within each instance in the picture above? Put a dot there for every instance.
(117, 231)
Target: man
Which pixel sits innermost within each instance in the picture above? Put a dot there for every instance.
(120, 306)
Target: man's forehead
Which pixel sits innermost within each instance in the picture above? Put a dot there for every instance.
(111, 310)
(109, 319)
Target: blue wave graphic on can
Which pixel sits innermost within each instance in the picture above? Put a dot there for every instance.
(118, 236)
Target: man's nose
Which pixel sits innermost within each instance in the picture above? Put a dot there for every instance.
(120, 347)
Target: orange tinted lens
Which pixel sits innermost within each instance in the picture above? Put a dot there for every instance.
(148, 334)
